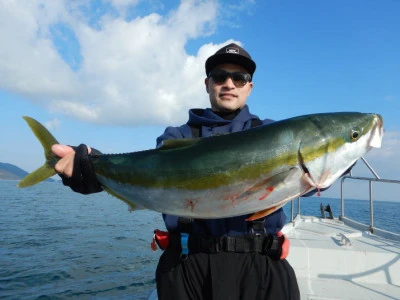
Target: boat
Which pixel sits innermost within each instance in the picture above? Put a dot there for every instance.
(339, 258)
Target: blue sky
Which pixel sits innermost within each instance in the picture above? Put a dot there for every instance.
(113, 74)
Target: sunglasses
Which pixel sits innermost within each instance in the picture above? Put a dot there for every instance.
(239, 79)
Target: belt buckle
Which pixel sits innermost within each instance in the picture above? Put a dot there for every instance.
(259, 224)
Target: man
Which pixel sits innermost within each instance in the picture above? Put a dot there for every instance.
(224, 259)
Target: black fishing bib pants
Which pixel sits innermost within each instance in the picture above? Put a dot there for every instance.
(224, 275)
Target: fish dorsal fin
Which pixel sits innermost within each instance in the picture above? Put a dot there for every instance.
(176, 144)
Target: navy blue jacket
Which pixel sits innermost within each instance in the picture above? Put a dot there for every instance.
(210, 124)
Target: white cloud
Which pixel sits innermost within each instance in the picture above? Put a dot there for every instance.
(52, 124)
(123, 70)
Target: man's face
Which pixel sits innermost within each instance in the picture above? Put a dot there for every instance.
(225, 96)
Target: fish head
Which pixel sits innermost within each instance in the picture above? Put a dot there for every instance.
(333, 142)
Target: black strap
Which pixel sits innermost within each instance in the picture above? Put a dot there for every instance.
(256, 122)
(185, 224)
(196, 132)
(256, 226)
(265, 244)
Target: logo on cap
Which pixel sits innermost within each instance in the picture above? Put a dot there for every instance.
(232, 50)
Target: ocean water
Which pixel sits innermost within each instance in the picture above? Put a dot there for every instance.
(56, 244)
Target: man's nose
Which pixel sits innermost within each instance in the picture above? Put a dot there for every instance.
(229, 82)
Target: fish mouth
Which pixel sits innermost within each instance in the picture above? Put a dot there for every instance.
(377, 134)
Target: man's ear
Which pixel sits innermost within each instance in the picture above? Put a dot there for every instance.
(206, 82)
(250, 88)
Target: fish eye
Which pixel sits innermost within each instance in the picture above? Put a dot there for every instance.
(355, 134)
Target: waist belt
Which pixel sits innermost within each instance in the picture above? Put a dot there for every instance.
(261, 243)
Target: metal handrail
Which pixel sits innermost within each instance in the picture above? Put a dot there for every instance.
(292, 216)
(376, 178)
(371, 200)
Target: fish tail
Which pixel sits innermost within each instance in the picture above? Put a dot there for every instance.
(47, 140)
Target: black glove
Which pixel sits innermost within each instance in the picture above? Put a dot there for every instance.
(83, 179)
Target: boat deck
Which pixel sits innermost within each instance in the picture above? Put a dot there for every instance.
(336, 261)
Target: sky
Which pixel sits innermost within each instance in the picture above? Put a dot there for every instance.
(114, 73)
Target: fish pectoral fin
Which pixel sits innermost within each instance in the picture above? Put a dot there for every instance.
(263, 213)
(267, 185)
(176, 144)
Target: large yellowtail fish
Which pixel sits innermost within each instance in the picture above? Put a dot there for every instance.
(254, 171)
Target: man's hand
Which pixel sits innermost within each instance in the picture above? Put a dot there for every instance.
(285, 244)
(65, 166)
(76, 169)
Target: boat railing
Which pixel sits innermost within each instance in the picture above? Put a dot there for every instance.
(371, 226)
(371, 180)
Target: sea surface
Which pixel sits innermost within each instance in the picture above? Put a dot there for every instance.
(56, 244)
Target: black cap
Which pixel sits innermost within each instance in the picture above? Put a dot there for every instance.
(234, 54)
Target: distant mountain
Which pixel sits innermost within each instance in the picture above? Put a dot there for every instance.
(12, 172)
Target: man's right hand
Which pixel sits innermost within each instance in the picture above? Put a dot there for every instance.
(75, 168)
(65, 165)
